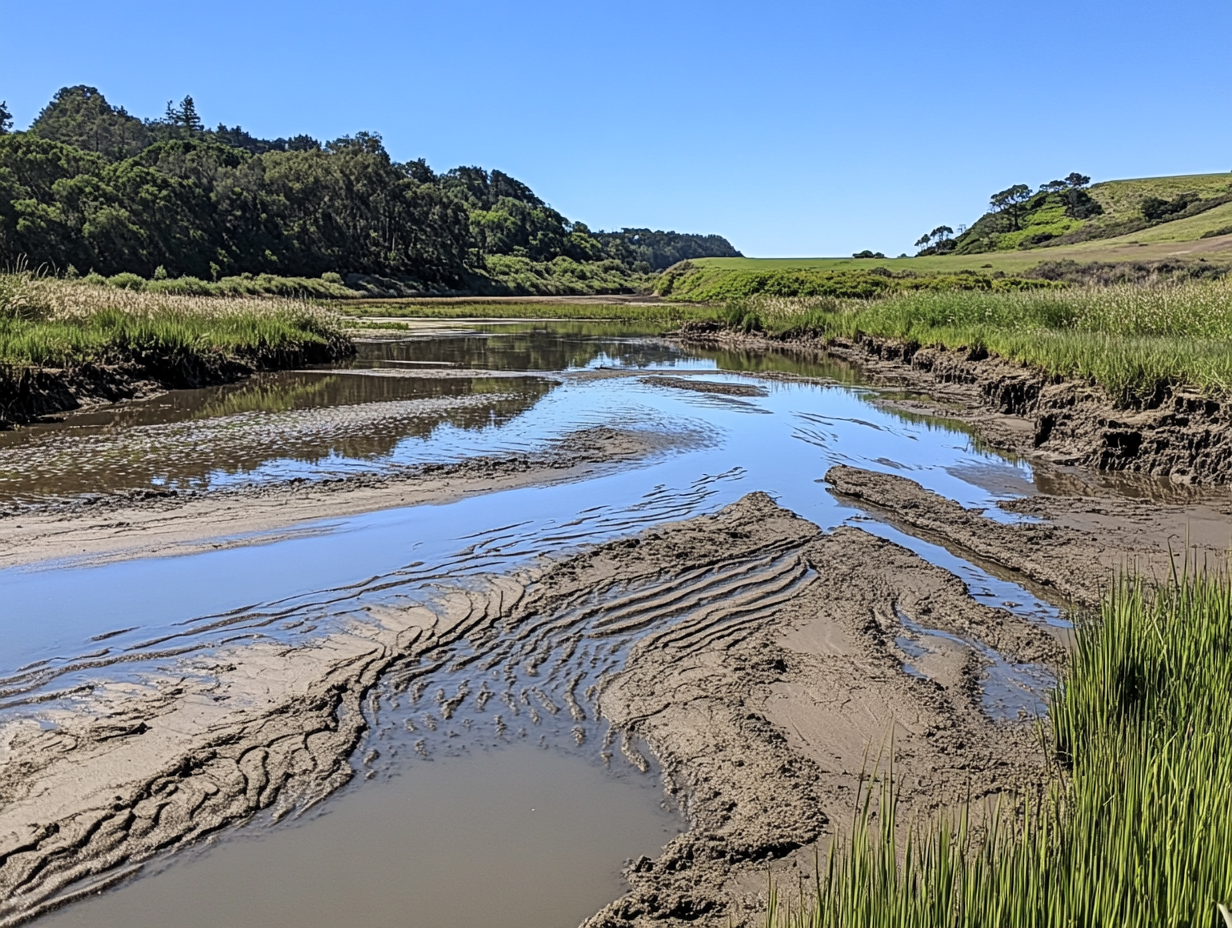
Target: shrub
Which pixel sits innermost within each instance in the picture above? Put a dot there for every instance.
(127, 281)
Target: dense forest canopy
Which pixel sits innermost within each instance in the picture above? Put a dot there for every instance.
(91, 187)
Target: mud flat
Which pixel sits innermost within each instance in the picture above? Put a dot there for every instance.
(771, 655)
(146, 523)
(1184, 437)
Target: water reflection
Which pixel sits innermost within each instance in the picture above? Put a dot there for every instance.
(276, 426)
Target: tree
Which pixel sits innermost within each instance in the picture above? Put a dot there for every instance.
(924, 240)
(1078, 203)
(1010, 203)
(81, 116)
(6, 118)
(184, 117)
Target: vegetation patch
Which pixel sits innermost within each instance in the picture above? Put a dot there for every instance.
(1137, 342)
(1135, 827)
(712, 283)
(181, 340)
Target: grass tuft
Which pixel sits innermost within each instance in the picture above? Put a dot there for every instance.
(1135, 828)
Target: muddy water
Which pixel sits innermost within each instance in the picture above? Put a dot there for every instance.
(539, 845)
(69, 629)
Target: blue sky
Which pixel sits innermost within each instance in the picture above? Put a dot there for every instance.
(792, 128)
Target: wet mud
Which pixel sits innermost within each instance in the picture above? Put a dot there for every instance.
(699, 607)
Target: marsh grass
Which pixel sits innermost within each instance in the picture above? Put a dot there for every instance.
(1135, 825)
(46, 322)
(1134, 341)
(651, 313)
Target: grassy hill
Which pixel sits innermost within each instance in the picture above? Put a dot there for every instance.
(1051, 218)
(1196, 243)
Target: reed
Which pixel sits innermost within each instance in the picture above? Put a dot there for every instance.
(46, 322)
(1134, 826)
(1135, 341)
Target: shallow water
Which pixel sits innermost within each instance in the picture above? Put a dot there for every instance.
(520, 838)
(66, 627)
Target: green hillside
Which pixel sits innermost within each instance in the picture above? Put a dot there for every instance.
(1069, 212)
(1197, 241)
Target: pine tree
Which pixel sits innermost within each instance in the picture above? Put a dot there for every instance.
(6, 118)
(184, 116)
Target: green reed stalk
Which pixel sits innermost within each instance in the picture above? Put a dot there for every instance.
(1135, 828)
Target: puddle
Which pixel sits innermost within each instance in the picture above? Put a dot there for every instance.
(1011, 692)
(520, 837)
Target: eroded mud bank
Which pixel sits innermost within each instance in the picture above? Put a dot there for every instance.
(1183, 436)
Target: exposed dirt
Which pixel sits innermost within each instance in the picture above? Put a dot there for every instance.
(1077, 549)
(774, 657)
(765, 727)
(151, 523)
(1184, 436)
(697, 385)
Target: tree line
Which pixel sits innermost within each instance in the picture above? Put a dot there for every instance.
(92, 188)
(1007, 211)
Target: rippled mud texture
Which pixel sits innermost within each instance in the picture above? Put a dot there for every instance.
(1184, 437)
(768, 660)
(1077, 548)
(764, 708)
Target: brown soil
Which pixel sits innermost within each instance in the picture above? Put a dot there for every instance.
(1184, 436)
(1077, 549)
(150, 523)
(704, 386)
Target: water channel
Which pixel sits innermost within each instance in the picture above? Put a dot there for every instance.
(459, 823)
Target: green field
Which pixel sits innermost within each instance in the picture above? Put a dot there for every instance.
(1180, 239)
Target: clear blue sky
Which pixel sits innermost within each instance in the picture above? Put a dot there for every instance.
(792, 128)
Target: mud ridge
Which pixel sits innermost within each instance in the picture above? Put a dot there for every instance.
(149, 522)
(765, 731)
(1181, 435)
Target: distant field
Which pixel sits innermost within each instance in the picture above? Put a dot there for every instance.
(1179, 239)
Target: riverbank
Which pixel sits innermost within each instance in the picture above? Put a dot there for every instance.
(66, 345)
(1184, 436)
(772, 610)
(762, 650)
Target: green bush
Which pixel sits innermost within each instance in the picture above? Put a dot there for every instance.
(127, 281)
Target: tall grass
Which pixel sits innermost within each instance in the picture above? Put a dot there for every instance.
(45, 322)
(653, 313)
(1135, 829)
(1135, 341)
